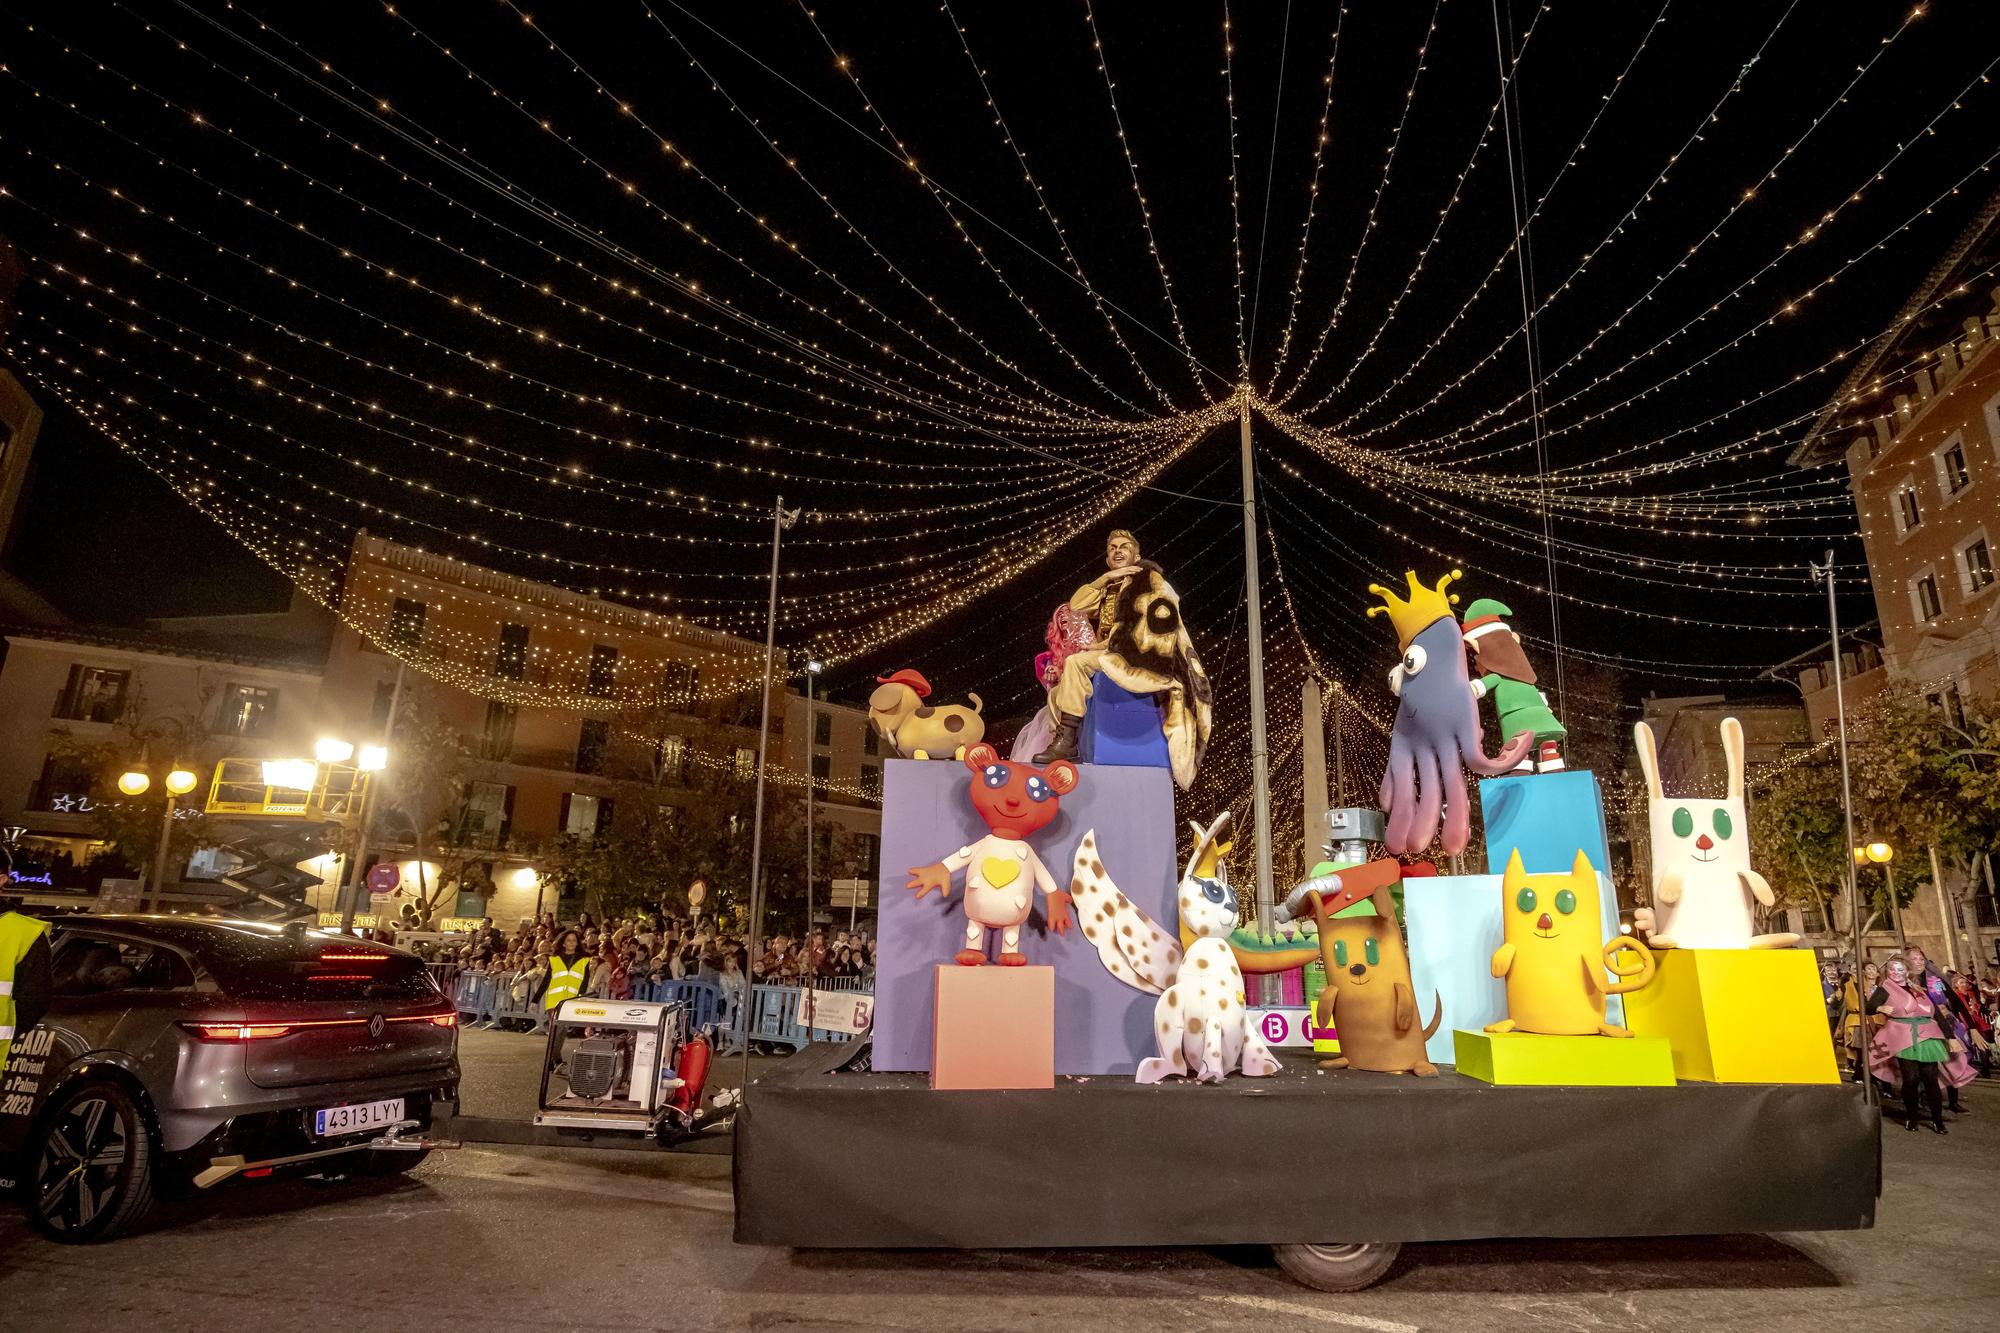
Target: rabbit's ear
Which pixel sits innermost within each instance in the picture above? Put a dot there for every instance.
(1649, 760)
(1732, 747)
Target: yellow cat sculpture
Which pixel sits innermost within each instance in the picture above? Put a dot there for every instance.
(1553, 961)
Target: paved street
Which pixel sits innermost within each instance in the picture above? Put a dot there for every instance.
(510, 1238)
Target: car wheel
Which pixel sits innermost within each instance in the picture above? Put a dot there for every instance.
(1337, 1267)
(93, 1166)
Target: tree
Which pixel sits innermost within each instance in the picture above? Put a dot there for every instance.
(1800, 834)
(425, 786)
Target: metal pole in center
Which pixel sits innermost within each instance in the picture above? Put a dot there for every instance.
(779, 522)
(1847, 810)
(1260, 754)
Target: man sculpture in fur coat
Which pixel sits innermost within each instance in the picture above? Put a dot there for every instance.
(1144, 647)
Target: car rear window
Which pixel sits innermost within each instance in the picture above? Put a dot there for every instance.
(312, 965)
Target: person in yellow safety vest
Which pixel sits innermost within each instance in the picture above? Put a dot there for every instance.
(24, 977)
(569, 970)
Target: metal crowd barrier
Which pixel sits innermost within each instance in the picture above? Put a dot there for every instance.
(773, 1017)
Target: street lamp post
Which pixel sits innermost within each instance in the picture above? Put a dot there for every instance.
(1882, 854)
(178, 782)
(374, 758)
(813, 668)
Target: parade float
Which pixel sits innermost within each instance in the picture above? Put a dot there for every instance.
(1482, 1046)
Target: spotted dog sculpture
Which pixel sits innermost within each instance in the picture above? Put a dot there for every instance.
(1435, 737)
(1202, 1021)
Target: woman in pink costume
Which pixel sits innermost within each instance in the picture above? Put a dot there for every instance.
(1958, 1070)
(1910, 1046)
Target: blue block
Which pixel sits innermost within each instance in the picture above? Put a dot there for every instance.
(1454, 926)
(1123, 728)
(1549, 817)
(1103, 1026)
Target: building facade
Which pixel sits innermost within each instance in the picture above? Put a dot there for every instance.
(1916, 426)
(146, 699)
(576, 712)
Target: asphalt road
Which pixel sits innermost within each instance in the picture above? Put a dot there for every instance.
(492, 1238)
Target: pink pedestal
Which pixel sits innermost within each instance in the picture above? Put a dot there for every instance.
(996, 1028)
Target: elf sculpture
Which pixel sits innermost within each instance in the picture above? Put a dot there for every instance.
(1506, 676)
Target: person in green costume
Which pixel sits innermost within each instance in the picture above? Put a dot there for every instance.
(1503, 672)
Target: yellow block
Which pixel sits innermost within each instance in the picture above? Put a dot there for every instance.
(1531, 1059)
(1738, 1015)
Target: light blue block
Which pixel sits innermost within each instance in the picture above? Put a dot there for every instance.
(1548, 816)
(1454, 926)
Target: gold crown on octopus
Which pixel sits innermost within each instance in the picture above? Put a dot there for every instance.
(1424, 606)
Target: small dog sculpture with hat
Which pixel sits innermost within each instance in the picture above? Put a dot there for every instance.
(917, 730)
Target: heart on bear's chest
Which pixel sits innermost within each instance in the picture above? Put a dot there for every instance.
(999, 871)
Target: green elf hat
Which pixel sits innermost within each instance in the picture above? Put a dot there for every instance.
(1484, 616)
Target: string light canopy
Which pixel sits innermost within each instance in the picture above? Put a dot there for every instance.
(569, 296)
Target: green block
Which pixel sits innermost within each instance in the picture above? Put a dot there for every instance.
(1529, 1059)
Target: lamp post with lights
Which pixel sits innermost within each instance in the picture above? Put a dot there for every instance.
(1882, 854)
(178, 782)
(813, 668)
(371, 760)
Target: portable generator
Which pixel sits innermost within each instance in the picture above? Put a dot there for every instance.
(608, 1065)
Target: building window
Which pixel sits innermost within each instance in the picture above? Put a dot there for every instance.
(591, 738)
(1924, 596)
(822, 766)
(384, 703)
(1909, 512)
(585, 816)
(678, 681)
(510, 659)
(406, 625)
(672, 758)
(871, 743)
(247, 710)
(746, 762)
(603, 669)
(1953, 475)
(1949, 702)
(496, 742)
(1975, 566)
(822, 728)
(871, 782)
(93, 694)
(64, 786)
(489, 810)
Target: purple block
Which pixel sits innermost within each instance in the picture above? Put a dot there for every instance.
(1103, 1026)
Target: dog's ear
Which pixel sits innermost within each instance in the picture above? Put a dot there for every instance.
(980, 755)
(884, 699)
(1385, 906)
(1061, 775)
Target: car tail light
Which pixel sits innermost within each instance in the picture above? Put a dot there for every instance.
(445, 1020)
(237, 1031)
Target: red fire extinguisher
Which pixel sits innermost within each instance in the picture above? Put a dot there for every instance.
(693, 1075)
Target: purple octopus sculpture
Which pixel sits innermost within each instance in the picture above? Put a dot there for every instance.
(1436, 735)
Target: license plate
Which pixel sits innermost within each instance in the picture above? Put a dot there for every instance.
(357, 1118)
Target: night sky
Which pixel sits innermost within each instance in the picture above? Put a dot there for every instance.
(577, 293)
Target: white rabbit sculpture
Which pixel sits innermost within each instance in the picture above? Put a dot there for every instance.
(1702, 881)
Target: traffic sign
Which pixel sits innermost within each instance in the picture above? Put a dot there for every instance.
(384, 877)
(851, 893)
(696, 892)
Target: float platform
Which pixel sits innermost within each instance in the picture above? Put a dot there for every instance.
(827, 1158)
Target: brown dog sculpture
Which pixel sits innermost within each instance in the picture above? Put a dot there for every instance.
(1369, 997)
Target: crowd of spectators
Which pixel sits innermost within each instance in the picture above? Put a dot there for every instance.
(1964, 1007)
(636, 950)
